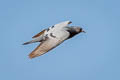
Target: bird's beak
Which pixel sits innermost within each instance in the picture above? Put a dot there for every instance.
(83, 31)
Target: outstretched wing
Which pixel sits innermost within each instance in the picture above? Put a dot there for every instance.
(48, 44)
(58, 26)
(62, 24)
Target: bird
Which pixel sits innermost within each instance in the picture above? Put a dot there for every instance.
(52, 37)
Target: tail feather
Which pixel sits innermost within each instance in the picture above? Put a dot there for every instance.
(29, 42)
(26, 43)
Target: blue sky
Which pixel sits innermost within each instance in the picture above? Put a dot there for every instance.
(91, 56)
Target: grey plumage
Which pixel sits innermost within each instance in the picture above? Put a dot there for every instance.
(52, 37)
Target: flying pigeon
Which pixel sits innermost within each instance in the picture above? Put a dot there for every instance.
(53, 36)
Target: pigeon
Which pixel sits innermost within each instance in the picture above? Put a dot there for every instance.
(52, 37)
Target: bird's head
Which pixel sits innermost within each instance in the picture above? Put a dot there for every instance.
(79, 29)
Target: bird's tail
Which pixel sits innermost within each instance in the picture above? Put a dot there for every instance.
(29, 42)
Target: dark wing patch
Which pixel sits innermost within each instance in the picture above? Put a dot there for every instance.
(51, 34)
(52, 27)
(40, 33)
(47, 29)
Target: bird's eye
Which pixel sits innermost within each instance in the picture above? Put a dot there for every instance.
(80, 29)
(69, 22)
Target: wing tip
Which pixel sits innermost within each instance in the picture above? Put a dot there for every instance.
(40, 33)
(31, 55)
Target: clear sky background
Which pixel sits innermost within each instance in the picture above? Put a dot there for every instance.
(91, 56)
